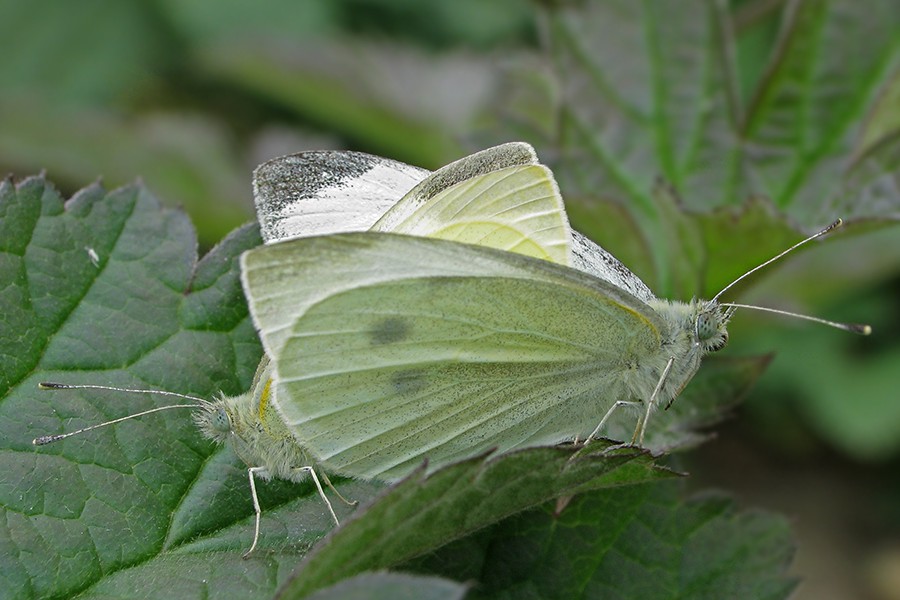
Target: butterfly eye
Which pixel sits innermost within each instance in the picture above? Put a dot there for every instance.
(710, 331)
(707, 326)
(221, 421)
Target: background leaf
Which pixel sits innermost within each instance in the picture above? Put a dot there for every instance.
(390, 586)
(418, 516)
(635, 542)
(659, 93)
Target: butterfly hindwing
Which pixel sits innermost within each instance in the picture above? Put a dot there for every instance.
(504, 156)
(518, 209)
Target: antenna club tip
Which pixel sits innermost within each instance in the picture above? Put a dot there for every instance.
(49, 385)
(43, 440)
(861, 329)
(837, 223)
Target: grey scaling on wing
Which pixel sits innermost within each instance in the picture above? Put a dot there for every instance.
(316, 193)
(591, 258)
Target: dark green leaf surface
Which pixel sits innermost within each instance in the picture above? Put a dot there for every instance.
(225, 575)
(422, 514)
(146, 315)
(642, 541)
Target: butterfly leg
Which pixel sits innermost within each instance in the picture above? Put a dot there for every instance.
(613, 408)
(642, 422)
(617, 405)
(312, 473)
(337, 493)
(250, 473)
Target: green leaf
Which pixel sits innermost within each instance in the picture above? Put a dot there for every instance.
(62, 52)
(358, 90)
(664, 75)
(720, 385)
(106, 289)
(882, 124)
(642, 541)
(841, 386)
(424, 513)
(235, 19)
(227, 576)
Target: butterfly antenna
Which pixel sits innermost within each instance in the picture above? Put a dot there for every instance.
(47, 439)
(828, 229)
(85, 386)
(860, 328)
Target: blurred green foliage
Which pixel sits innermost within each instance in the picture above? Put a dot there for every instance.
(191, 97)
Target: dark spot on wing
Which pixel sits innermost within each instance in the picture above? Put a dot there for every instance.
(409, 382)
(388, 331)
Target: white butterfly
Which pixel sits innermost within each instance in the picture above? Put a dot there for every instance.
(390, 349)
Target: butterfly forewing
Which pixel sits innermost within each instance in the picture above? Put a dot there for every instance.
(314, 193)
(589, 257)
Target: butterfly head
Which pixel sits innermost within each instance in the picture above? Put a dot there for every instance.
(710, 326)
(214, 420)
